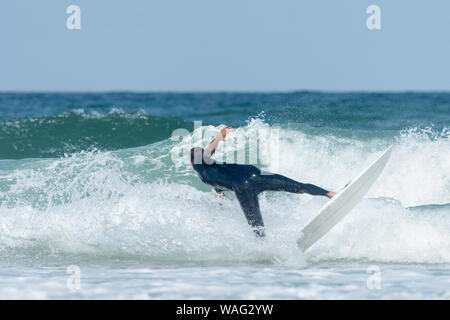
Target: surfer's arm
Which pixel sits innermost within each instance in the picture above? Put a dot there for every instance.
(211, 148)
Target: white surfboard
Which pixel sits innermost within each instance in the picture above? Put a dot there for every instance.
(342, 203)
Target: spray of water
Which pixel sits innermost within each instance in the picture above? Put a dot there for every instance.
(142, 203)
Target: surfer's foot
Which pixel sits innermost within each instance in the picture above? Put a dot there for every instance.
(331, 194)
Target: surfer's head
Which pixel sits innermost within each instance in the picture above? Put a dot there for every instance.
(195, 153)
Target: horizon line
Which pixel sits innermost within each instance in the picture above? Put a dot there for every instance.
(393, 91)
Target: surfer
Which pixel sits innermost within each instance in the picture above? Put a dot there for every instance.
(246, 181)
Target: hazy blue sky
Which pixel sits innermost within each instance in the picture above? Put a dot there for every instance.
(206, 45)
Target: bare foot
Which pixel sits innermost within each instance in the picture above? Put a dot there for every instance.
(331, 194)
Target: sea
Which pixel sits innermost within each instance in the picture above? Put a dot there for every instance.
(98, 199)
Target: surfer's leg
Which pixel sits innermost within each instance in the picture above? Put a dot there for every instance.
(277, 182)
(248, 199)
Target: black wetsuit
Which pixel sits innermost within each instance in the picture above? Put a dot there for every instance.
(248, 182)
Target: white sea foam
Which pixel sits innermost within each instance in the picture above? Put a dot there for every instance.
(138, 203)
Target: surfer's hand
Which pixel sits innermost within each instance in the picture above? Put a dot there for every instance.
(331, 194)
(221, 193)
(224, 132)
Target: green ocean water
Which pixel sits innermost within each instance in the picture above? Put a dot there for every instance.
(50, 124)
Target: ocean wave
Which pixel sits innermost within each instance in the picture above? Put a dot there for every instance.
(70, 132)
(145, 203)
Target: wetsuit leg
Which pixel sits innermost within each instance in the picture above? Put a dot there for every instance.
(277, 182)
(248, 199)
